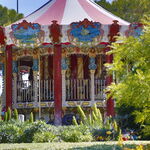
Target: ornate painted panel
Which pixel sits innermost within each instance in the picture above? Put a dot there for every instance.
(85, 33)
(27, 34)
(135, 30)
(2, 38)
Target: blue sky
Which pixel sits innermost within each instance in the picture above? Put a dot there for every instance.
(25, 6)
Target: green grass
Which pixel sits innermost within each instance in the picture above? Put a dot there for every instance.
(71, 146)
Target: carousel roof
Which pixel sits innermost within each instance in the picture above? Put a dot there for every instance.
(68, 11)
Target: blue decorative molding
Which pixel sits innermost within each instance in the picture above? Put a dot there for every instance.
(92, 65)
(85, 34)
(15, 67)
(26, 33)
(35, 66)
(64, 65)
(135, 30)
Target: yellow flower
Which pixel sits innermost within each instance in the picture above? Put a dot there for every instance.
(108, 132)
(140, 147)
(99, 138)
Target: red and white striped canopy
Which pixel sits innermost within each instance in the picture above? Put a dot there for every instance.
(68, 11)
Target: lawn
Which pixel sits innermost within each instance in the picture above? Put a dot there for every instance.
(73, 146)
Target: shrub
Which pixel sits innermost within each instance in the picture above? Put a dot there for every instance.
(41, 137)
(103, 134)
(6, 116)
(15, 114)
(74, 121)
(31, 120)
(9, 114)
(76, 134)
(94, 120)
(9, 133)
(33, 128)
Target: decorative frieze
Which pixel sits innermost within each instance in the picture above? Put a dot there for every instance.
(15, 67)
(92, 64)
(64, 65)
(35, 66)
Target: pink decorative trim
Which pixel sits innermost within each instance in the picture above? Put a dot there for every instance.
(55, 12)
(94, 13)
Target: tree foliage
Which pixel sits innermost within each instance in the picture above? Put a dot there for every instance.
(132, 11)
(8, 16)
(131, 66)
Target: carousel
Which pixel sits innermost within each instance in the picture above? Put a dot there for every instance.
(53, 59)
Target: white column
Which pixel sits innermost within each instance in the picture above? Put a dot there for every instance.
(63, 87)
(64, 67)
(46, 73)
(14, 82)
(92, 67)
(35, 86)
(3, 92)
(14, 89)
(92, 72)
(35, 68)
(3, 96)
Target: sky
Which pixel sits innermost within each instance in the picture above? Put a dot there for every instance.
(25, 6)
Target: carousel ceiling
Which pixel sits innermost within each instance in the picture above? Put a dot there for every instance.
(82, 23)
(68, 11)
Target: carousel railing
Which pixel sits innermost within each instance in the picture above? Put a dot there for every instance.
(25, 92)
(47, 90)
(100, 86)
(77, 89)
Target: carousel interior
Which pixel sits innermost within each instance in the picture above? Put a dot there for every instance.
(77, 79)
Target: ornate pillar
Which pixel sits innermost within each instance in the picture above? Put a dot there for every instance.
(46, 73)
(64, 67)
(15, 70)
(109, 80)
(3, 84)
(55, 34)
(92, 67)
(57, 84)
(113, 32)
(3, 63)
(9, 76)
(35, 69)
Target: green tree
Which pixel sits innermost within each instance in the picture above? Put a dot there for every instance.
(8, 16)
(131, 66)
(130, 10)
(105, 4)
